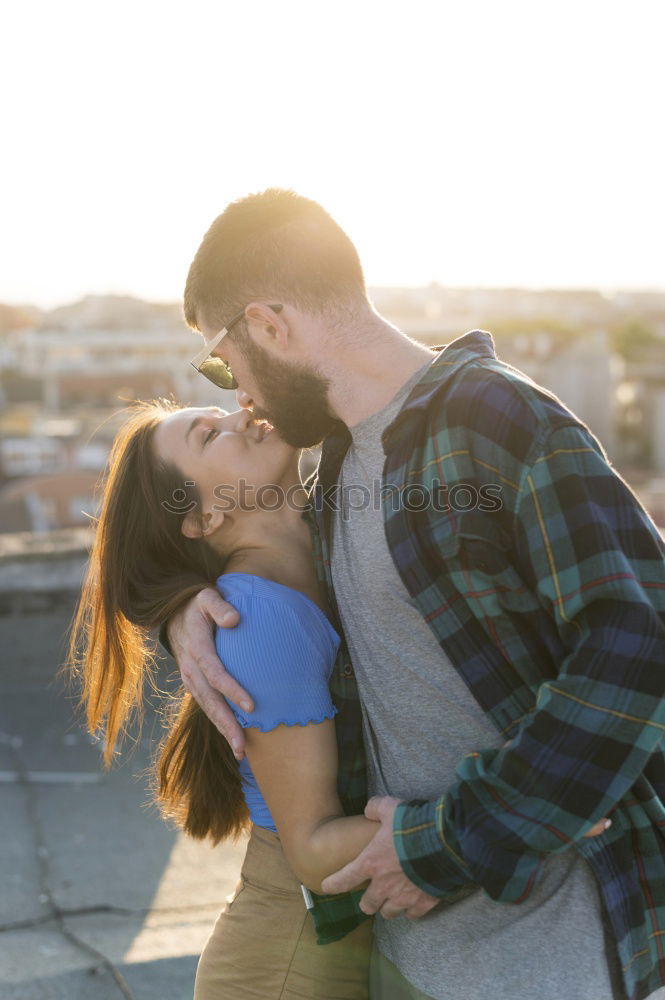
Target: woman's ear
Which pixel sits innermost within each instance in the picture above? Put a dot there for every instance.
(196, 525)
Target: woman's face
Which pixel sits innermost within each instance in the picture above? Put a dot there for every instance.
(227, 456)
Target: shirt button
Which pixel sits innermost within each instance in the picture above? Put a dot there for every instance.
(347, 670)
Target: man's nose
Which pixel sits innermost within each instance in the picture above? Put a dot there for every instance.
(244, 400)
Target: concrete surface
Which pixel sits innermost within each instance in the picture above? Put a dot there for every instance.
(99, 898)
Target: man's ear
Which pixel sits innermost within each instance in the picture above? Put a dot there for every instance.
(268, 325)
(196, 525)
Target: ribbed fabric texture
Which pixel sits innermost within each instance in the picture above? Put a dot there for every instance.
(282, 652)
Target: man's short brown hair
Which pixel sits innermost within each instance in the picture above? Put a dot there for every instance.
(274, 245)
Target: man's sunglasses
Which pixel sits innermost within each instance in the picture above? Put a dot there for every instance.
(215, 369)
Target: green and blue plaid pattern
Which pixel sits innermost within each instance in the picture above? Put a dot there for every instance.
(545, 584)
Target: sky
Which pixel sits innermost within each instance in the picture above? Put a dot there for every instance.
(475, 143)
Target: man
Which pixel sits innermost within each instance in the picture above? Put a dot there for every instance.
(502, 596)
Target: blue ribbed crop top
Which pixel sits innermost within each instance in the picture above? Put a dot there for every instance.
(282, 652)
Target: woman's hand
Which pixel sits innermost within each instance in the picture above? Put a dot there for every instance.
(190, 633)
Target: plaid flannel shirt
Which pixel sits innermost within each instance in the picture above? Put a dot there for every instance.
(548, 596)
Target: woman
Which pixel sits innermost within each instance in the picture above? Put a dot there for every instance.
(183, 506)
(195, 496)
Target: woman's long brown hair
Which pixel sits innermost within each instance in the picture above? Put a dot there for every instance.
(141, 570)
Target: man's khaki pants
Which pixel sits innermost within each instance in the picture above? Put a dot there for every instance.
(263, 945)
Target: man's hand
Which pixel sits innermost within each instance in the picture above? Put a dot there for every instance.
(203, 674)
(390, 892)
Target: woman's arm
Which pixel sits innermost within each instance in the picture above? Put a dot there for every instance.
(296, 770)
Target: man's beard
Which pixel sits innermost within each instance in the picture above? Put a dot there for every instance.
(296, 398)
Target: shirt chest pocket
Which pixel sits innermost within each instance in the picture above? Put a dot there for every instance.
(478, 558)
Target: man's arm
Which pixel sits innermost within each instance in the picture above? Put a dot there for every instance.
(599, 566)
(600, 570)
(390, 892)
(190, 636)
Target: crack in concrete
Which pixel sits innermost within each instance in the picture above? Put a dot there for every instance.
(57, 915)
(124, 911)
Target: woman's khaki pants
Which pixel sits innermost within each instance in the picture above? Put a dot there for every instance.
(263, 945)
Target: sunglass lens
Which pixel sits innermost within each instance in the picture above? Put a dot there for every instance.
(219, 373)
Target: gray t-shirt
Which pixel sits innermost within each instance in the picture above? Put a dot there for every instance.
(419, 721)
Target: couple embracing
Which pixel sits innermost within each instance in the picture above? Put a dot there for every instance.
(429, 681)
